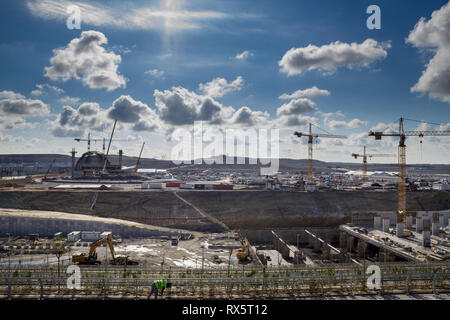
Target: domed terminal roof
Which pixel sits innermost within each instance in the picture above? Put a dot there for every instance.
(91, 160)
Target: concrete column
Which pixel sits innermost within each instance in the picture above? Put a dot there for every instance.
(316, 246)
(386, 223)
(441, 220)
(377, 222)
(342, 240)
(350, 242)
(426, 239)
(409, 220)
(400, 229)
(435, 228)
(326, 252)
(419, 224)
(362, 247)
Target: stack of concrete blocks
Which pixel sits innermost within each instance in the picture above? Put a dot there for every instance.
(90, 235)
(74, 236)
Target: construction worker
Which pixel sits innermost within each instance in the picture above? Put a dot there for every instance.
(159, 286)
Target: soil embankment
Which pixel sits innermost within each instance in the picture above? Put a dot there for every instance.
(236, 209)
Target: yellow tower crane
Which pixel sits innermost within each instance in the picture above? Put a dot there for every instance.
(311, 136)
(402, 134)
(365, 155)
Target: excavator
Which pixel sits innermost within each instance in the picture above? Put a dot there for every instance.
(91, 258)
(243, 253)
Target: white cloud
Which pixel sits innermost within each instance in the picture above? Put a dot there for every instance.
(180, 106)
(219, 87)
(69, 100)
(434, 35)
(15, 106)
(294, 120)
(13, 122)
(328, 58)
(127, 110)
(385, 127)
(352, 124)
(74, 122)
(248, 117)
(10, 95)
(307, 93)
(9, 138)
(84, 58)
(24, 107)
(243, 55)
(296, 106)
(155, 73)
(169, 16)
(42, 88)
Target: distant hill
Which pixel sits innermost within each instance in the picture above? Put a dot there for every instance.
(284, 163)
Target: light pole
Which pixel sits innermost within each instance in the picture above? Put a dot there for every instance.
(229, 260)
(203, 257)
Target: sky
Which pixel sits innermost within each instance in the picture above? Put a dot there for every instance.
(158, 66)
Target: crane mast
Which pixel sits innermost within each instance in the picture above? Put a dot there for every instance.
(401, 216)
(310, 155)
(311, 137)
(365, 156)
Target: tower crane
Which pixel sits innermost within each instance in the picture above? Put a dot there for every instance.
(402, 134)
(89, 140)
(364, 155)
(311, 136)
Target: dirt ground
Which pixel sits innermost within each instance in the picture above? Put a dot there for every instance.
(212, 250)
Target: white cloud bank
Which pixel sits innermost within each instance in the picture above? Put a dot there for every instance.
(220, 86)
(306, 93)
(328, 58)
(168, 16)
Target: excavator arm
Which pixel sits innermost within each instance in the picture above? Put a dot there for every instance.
(98, 243)
(111, 247)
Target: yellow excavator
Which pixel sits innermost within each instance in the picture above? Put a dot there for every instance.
(243, 253)
(91, 258)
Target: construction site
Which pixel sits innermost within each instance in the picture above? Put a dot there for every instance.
(223, 234)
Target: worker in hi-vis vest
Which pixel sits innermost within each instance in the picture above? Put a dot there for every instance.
(159, 286)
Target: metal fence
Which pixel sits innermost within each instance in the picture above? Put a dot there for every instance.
(134, 282)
